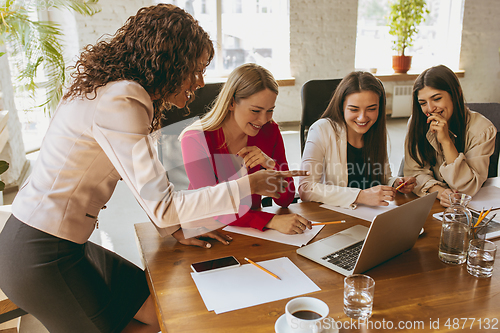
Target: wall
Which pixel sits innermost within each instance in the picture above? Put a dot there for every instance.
(322, 45)
(480, 53)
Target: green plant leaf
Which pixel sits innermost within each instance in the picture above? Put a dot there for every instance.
(35, 45)
(3, 166)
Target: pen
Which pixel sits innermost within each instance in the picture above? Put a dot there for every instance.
(265, 270)
(331, 222)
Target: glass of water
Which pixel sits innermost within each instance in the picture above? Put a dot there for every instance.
(359, 290)
(481, 257)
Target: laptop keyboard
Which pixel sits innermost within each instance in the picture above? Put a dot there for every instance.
(345, 258)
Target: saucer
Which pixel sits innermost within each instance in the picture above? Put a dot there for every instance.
(281, 326)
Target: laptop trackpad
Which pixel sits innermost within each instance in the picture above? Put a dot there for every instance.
(337, 241)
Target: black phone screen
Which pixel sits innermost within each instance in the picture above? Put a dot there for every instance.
(215, 264)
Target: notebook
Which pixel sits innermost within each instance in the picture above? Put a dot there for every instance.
(359, 248)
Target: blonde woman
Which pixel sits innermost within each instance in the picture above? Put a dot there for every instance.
(239, 131)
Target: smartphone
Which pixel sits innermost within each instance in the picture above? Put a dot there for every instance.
(215, 264)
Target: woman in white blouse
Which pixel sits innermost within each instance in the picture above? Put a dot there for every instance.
(448, 146)
(99, 135)
(346, 150)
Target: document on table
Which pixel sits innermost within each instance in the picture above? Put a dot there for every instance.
(276, 236)
(487, 197)
(241, 287)
(362, 212)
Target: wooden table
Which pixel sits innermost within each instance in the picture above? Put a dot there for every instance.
(415, 289)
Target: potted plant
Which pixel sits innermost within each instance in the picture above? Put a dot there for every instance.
(404, 18)
(35, 44)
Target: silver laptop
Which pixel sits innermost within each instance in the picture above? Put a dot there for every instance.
(359, 248)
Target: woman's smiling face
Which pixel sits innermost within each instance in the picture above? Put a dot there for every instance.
(434, 101)
(251, 113)
(360, 112)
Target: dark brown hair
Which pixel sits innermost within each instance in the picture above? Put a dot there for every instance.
(440, 78)
(158, 48)
(375, 139)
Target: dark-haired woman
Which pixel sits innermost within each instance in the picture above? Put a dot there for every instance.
(346, 150)
(448, 146)
(99, 135)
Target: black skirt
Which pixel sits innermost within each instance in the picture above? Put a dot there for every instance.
(69, 287)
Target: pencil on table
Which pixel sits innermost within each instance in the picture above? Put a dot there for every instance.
(331, 222)
(265, 270)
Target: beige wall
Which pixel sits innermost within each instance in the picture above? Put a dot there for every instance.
(322, 45)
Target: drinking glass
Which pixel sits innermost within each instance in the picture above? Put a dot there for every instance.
(359, 290)
(481, 257)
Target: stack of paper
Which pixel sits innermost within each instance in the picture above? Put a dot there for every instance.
(247, 285)
(276, 236)
(487, 197)
(367, 213)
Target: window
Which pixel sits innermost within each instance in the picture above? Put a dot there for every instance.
(244, 31)
(438, 40)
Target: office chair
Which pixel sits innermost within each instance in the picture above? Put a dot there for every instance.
(175, 120)
(315, 96)
(492, 112)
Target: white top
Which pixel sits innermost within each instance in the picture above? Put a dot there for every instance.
(90, 145)
(325, 157)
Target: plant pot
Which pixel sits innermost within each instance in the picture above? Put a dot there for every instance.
(401, 64)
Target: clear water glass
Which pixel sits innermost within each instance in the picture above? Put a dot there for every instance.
(359, 290)
(481, 257)
(455, 230)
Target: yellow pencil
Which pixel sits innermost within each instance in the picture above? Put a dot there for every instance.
(331, 222)
(265, 270)
(401, 185)
(482, 217)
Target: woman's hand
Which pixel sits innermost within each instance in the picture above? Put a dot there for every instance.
(376, 196)
(444, 198)
(439, 125)
(409, 184)
(272, 183)
(290, 224)
(253, 156)
(196, 241)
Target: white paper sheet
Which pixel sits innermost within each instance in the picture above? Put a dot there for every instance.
(276, 236)
(486, 198)
(247, 285)
(362, 212)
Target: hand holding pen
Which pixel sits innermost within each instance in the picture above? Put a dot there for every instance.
(406, 184)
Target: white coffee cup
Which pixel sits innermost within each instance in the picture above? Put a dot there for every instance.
(298, 310)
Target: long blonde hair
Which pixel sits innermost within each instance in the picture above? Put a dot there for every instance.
(243, 82)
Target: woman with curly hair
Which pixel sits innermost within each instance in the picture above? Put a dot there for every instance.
(448, 146)
(98, 135)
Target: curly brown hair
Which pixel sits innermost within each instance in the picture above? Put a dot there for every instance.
(158, 48)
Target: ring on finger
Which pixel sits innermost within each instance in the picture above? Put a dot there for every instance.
(437, 122)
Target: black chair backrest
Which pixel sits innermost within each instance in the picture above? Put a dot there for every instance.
(200, 105)
(315, 95)
(492, 112)
(175, 120)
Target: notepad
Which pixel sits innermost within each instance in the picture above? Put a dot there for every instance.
(363, 212)
(245, 286)
(486, 197)
(276, 236)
